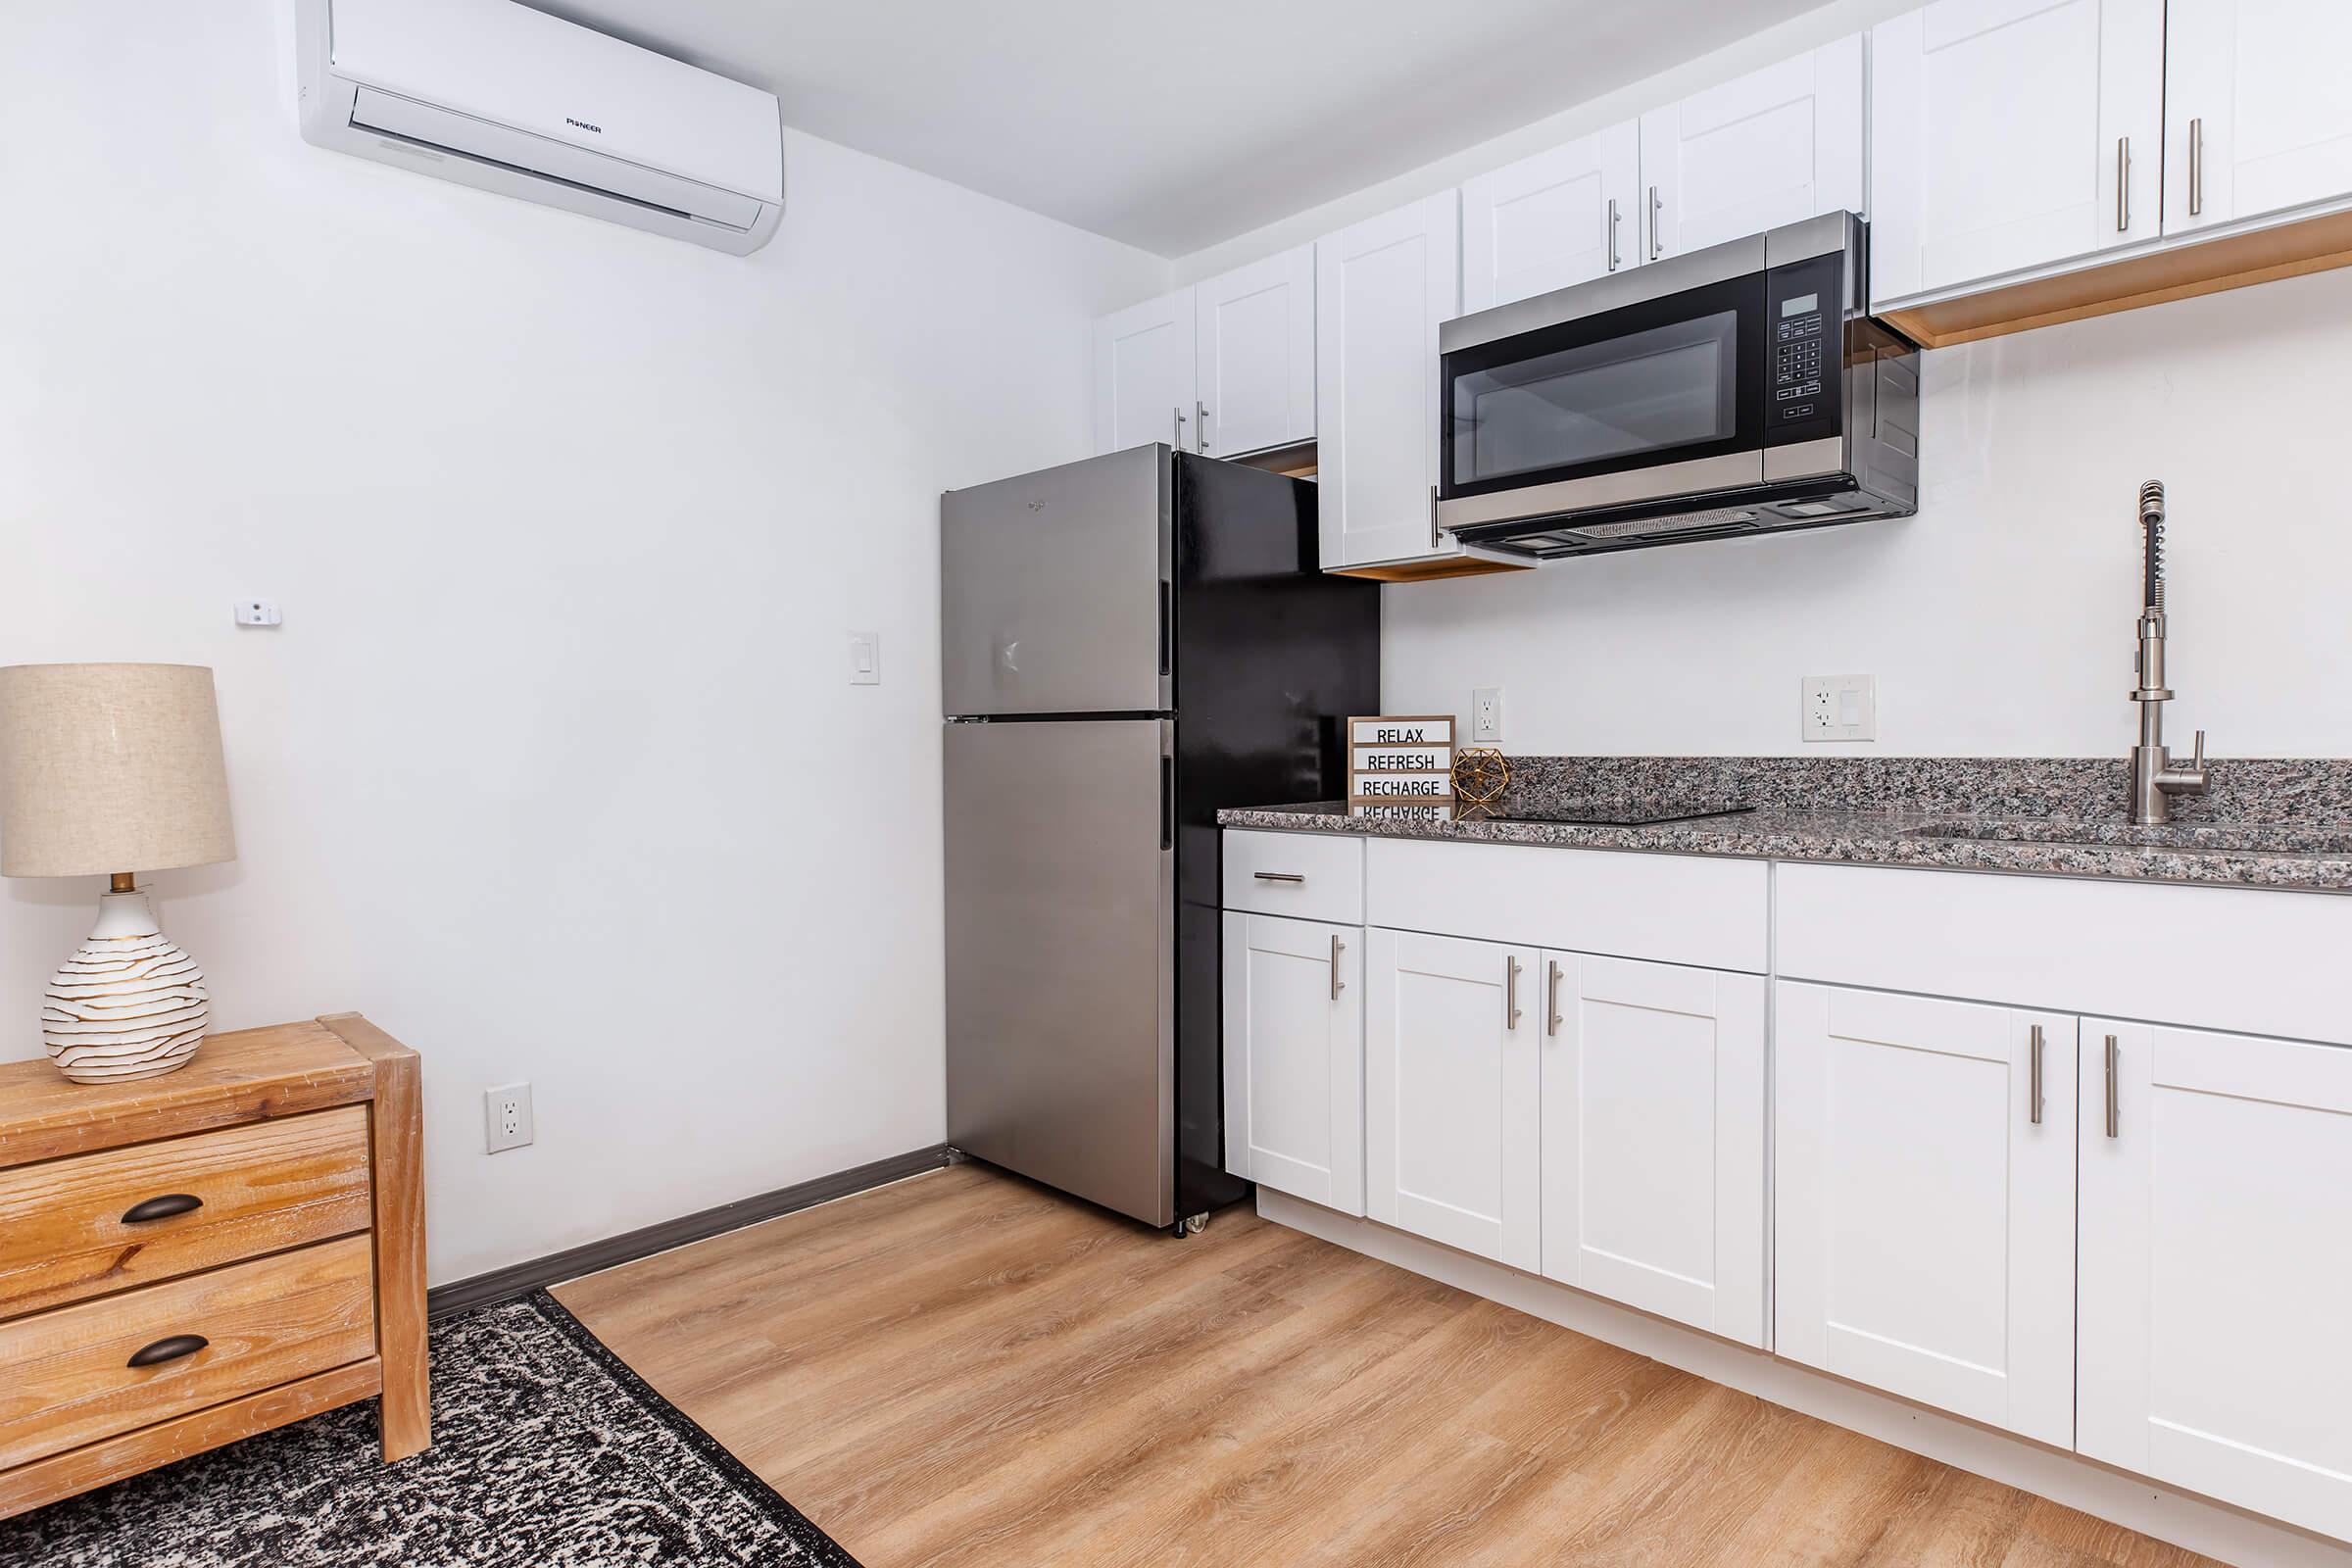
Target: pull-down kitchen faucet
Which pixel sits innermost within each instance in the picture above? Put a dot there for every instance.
(2154, 778)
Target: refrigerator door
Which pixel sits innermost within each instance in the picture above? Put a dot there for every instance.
(1060, 906)
(1053, 590)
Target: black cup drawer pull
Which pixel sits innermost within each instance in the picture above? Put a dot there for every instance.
(163, 1208)
(170, 1350)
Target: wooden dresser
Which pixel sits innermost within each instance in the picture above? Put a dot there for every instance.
(189, 1260)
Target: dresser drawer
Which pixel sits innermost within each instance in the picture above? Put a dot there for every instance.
(66, 1231)
(65, 1377)
(1312, 877)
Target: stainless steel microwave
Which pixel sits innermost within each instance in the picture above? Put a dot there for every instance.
(1737, 390)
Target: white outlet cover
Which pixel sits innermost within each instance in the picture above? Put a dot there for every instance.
(1839, 708)
(507, 1121)
(1485, 715)
(257, 612)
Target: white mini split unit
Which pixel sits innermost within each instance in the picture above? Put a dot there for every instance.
(495, 94)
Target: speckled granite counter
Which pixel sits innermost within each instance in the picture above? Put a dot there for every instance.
(2284, 830)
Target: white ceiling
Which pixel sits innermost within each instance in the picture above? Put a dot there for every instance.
(1175, 124)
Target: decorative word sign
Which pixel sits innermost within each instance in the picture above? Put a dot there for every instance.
(1401, 769)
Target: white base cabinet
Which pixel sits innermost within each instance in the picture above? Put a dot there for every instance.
(1452, 1119)
(2217, 1266)
(1926, 1201)
(1653, 1138)
(1295, 1057)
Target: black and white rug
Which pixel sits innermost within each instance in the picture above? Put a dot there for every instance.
(548, 1452)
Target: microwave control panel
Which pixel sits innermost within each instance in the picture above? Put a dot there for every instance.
(1804, 305)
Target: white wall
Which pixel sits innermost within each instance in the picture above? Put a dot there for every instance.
(2001, 620)
(554, 770)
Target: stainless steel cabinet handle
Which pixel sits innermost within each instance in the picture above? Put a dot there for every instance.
(2123, 184)
(1338, 985)
(1433, 518)
(1278, 876)
(1200, 426)
(1178, 442)
(1511, 992)
(2196, 167)
(2034, 1082)
(1551, 1001)
(1655, 205)
(2114, 1058)
(1612, 233)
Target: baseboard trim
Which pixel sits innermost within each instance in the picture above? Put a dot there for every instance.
(2215, 1529)
(520, 1279)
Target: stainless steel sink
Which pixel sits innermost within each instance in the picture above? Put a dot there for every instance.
(2241, 838)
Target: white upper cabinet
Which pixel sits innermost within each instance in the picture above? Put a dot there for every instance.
(1999, 130)
(2216, 1265)
(1382, 287)
(1925, 1202)
(1143, 388)
(1653, 1138)
(2257, 116)
(1451, 1125)
(1777, 146)
(1295, 1057)
(1559, 217)
(1255, 338)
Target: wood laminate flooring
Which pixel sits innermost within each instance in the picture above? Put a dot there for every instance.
(965, 1368)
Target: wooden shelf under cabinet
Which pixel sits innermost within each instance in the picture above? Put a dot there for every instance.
(284, 1166)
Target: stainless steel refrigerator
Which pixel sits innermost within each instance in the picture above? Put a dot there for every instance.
(1127, 644)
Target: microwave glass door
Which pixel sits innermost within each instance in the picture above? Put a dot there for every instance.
(1660, 381)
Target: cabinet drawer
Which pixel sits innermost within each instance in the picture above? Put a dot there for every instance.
(65, 1377)
(1312, 877)
(1669, 909)
(66, 1231)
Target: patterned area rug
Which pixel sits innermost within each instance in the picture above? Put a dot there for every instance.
(547, 1452)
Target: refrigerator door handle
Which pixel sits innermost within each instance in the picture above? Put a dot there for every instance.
(1164, 625)
(1167, 803)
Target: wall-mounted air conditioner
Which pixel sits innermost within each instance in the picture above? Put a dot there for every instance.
(495, 94)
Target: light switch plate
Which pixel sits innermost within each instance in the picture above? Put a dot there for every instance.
(865, 659)
(1485, 715)
(1839, 708)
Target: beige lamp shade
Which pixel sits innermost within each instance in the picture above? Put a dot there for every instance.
(110, 768)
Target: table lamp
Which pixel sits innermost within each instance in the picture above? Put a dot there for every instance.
(111, 770)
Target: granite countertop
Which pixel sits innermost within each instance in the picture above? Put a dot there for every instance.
(2296, 854)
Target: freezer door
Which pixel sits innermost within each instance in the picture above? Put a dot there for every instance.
(1060, 903)
(1053, 590)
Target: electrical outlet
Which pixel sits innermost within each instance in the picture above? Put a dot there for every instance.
(1839, 708)
(257, 612)
(506, 1118)
(1485, 715)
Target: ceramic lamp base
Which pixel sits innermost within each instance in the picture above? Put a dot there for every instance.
(129, 1004)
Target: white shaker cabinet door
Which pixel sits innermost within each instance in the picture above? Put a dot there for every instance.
(1382, 287)
(2257, 117)
(1295, 1057)
(1925, 1203)
(1998, 133)
(1776, 146)
(1255, 334)
(1452, 1120)
(1562, 216)
(1144, 375)
(1653, 1138)
(2217, 1262)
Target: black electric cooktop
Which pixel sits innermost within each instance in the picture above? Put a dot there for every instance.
(1618, 814)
